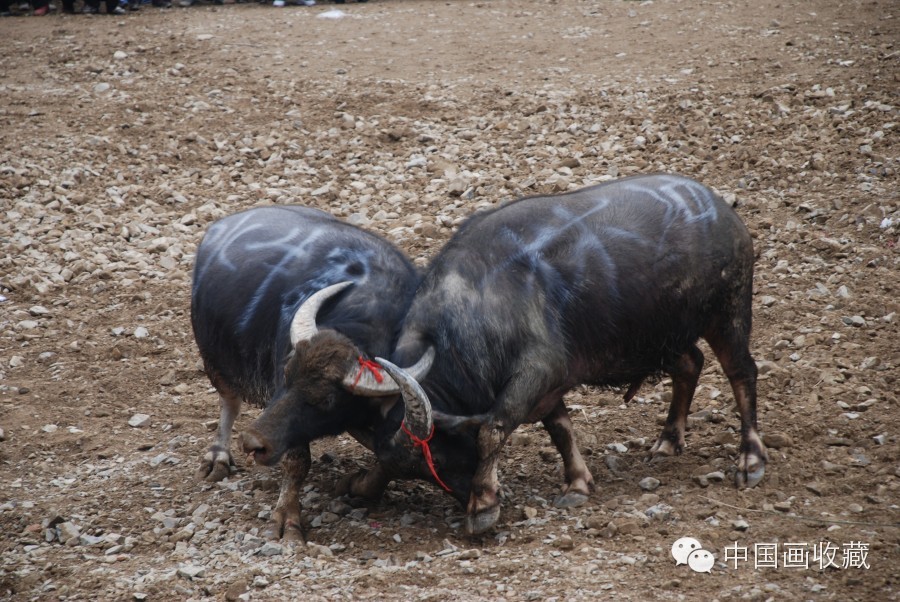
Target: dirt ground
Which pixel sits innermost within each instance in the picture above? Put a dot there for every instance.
(123, 138)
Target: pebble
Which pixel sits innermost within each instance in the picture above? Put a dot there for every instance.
(101, 87)
(271, 548)
(777, 440)
(67, 531)
(191, 571)
(740, 524)
(16, 361)
(141, 333)
(855, 321)
(139, 420)
(649, 483)
(2, 434)
(119, 55)
(716, 476)
(38, 310)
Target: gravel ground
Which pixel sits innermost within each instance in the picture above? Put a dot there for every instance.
(121, 139)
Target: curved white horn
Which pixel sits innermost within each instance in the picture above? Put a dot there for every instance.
(361, 380)
(417, 415)
(303, 326)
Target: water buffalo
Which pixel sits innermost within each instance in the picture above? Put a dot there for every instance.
(262, 280)
(605, 286)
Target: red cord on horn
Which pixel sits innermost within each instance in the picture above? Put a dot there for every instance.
(426, 451)
(372, 367)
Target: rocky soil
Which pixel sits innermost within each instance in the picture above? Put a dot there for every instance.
(123, 138)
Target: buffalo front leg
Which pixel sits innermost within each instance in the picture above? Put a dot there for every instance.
(285, 522)
(685, 374)
(369, 484)
(579, 481)
(483, 508)
(218, 462)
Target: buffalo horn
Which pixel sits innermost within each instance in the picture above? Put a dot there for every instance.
(362, 381)
(417, 415)
(303, 326)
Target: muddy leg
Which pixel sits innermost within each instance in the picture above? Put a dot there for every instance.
(739, 367)
(483, 508)
(369, 484)
(218, 463)
(579, 481)
(285, 522)
(685, 374)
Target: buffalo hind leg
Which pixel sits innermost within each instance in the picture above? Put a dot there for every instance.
(285, 522)
(579, 481)
(685, 374)
(733, 353)
(218, 462)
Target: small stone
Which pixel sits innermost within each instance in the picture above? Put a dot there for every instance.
(101, 87)
(529, 512)
(716, 476)
(139, 420)
(659, 511)
(315, 550)
(649, 483)
(204, 36)
(855, 508)
(141, 333)
(66, 531)
(119, 55)
(190, 571)
(234, 591)
(740, 525)
(16, 361)
(270, 548)
(855, 321)
(816, 488)
(784, 506)
(832, 468)
(50, 428)
(777, 440)
(38, 310)
(767, 301)
(564, 542)
(470, 554)
(2, 435)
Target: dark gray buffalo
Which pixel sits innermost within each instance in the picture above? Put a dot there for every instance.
(606, 286)
(262, 280)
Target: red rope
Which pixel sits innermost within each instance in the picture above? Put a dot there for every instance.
(426, 451)
(372, 367)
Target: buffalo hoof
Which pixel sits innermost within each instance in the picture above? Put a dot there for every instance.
(483, 521)
(216, 465)
(664, 448)
(750, 470)
(285, 531)
(572, 499)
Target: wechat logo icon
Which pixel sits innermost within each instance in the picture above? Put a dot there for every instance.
(688, 550)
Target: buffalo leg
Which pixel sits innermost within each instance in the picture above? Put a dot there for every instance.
(732, 350)
(285, 521)
(579, 481)
(218, 462)
(685, 374)
(369, 484)
(483, 508)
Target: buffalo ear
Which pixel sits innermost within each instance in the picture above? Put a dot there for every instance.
(458, 425)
